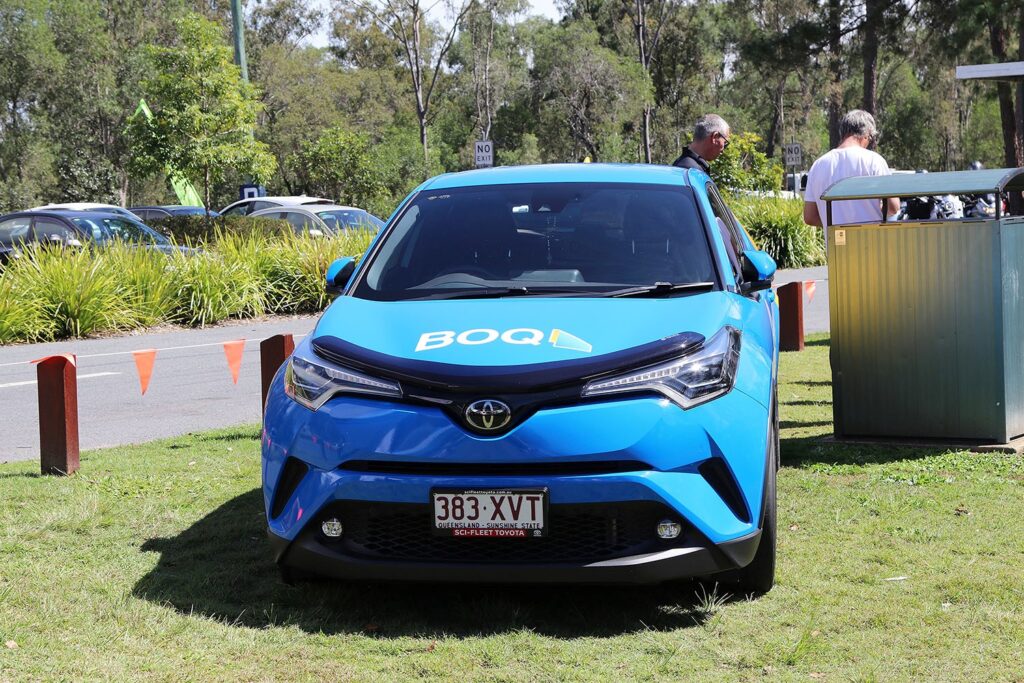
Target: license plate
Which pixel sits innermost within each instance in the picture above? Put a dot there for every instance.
(499, 513)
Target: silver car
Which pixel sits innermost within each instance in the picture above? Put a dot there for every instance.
(327, 219)
(247, 207)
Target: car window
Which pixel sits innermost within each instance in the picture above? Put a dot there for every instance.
(237, 210)
(730, 233)
(94, 227)
(131, 231)
(300, 221)
(345, 219)
(591, 237)
(259, 206)
(14, 231)
(52, 230)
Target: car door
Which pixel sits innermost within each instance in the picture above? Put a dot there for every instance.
(759, 310)
(49, 230)
(302, 223)
(13, 233)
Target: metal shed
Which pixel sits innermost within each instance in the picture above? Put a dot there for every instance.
(927, 317)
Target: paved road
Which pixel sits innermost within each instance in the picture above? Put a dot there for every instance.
(815, 312)
(191, 388)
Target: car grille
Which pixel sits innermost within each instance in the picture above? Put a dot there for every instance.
(576, 534)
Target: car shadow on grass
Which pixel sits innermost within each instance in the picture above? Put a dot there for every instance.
(808, 451)
(221, 568)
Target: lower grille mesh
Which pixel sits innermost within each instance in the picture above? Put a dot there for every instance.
(576, 533)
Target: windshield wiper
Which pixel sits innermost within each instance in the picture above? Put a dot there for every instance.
(661, 289)
(500, 292)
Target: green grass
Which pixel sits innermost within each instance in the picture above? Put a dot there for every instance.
(151, 563)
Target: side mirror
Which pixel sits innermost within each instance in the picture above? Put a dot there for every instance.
(758, 270)
(339, 273)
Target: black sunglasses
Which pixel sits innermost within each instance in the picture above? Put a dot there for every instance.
(726, 145)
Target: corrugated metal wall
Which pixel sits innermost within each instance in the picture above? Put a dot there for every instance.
(917, 317)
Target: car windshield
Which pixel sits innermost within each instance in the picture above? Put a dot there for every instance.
(566, 238)
(107, 229)
(345, 219)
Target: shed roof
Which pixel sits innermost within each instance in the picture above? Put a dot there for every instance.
(919, 184)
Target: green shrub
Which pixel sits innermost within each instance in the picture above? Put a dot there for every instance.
(75, 289)
(21, 315)
(142, 275)
(203, 230)
(300, 263)
(744, 167)
(776, 225)
(208, 288)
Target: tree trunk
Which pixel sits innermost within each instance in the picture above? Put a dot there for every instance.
(1020, 88)
(775, 129)
(423, 138)
(872, 21)
(647, 133)
(835, 67)
(206, 191)
(998, 35)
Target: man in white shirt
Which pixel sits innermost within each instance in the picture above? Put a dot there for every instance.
(851, 158)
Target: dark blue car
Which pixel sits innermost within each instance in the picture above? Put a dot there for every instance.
(74, 229)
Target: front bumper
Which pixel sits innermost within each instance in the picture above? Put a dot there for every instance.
(307, 553)
(627, 452)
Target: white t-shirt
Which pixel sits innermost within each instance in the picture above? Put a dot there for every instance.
(837, 164)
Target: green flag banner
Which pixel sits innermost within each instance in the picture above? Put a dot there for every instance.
(186, 192)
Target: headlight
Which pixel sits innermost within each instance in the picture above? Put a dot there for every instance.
(689, 380)
(312, 383)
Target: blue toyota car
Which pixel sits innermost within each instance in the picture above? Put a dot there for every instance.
(557, 373)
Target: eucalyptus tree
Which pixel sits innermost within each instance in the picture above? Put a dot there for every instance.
(424, 45)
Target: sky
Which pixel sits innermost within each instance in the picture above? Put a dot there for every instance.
(545, 8)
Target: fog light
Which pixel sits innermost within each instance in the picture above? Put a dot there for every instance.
(332, 528)
(668, 529)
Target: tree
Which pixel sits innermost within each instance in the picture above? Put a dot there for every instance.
(589, 91)
(424, 47)
(338, 164)
(203, 112)
(27, 57)
(648, 18)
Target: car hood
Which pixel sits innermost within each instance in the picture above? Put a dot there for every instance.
(517, 331)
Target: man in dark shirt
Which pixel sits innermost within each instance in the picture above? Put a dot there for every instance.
(710, 138)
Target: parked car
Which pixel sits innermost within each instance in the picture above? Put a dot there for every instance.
(74, 229)
(326, 219)
(536, 374)
(148, 213)
(87, 206)
(244, 207)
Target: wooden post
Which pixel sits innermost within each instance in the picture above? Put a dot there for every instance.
(57, 380)
(273, 352)
(791, 317)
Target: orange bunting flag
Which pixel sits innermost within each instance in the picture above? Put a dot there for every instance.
(144, 366)
(233, 352)
(809, 287)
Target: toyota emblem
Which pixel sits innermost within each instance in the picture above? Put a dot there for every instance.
(488, 415)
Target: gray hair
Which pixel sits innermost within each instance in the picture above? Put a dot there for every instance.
(858, 123)
(708, 125)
